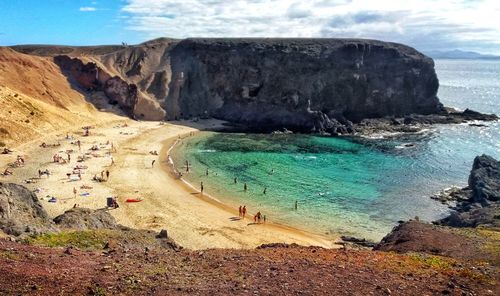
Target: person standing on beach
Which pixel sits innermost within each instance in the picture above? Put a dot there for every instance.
(153, 163)
(245, 187)
(239, 212)
(107, 174)
(201, 187)
(244, 211)
(79, 145)
(74, 192)
(264, 219)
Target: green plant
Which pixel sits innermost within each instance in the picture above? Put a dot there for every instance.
(80, 239)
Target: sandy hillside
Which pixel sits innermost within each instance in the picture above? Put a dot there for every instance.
(37, 99)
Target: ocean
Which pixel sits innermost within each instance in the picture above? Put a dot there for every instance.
(352, 186)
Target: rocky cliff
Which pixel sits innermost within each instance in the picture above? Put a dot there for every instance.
(300, 84)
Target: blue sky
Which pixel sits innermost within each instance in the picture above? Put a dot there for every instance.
(423, 24)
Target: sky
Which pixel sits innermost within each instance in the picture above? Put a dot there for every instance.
(424, 24)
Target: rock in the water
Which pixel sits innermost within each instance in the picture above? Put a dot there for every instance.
(483, 205)
(358, 241)
(486, 216)
(21, 212)
(82, 218)
(484, 180)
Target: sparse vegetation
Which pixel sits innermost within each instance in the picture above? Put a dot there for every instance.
(97, 291)
(94, 239)
(9, 255)
(87, 239)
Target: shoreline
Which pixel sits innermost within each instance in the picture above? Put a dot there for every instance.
(193, 221)
(171, 170)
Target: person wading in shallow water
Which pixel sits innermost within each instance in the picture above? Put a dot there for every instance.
(235, 180)
(245, 187)
(206, 172)
(201, 187)
(265, 190)
(296, 205)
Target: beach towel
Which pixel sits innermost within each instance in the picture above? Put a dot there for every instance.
(133, 200)
(52, 199)
(84, 194)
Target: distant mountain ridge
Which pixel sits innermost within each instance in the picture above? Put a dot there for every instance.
(460, 54)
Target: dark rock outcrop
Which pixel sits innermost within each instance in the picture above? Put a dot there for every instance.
(358, 241)
(21, 212)
(301, 84)
(484, 180)
(82, 218)
(483, 205)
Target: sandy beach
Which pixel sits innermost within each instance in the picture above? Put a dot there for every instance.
(192, 220)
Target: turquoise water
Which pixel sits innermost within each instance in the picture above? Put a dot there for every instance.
(352, 186)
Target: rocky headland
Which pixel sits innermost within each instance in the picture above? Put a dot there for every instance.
(326, 86)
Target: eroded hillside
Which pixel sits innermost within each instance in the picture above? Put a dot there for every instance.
(37, 99)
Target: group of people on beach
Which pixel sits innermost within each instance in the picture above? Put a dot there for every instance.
(257, 218)
(242, 212)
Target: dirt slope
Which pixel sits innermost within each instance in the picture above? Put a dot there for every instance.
(37, 99)
(274, 270)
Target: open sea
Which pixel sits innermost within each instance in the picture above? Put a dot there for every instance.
(352, 186)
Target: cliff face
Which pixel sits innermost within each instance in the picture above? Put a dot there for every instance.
(89, 77)
(304, 84)
(300, 84)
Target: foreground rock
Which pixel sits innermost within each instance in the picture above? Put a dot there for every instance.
(415, 236)
(21, 212)
(82, 218)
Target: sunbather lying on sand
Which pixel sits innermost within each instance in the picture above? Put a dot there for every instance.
(7, 151)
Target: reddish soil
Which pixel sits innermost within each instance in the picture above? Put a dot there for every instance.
(275, 270)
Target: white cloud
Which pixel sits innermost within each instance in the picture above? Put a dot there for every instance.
(425, 24)
(87, 8)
